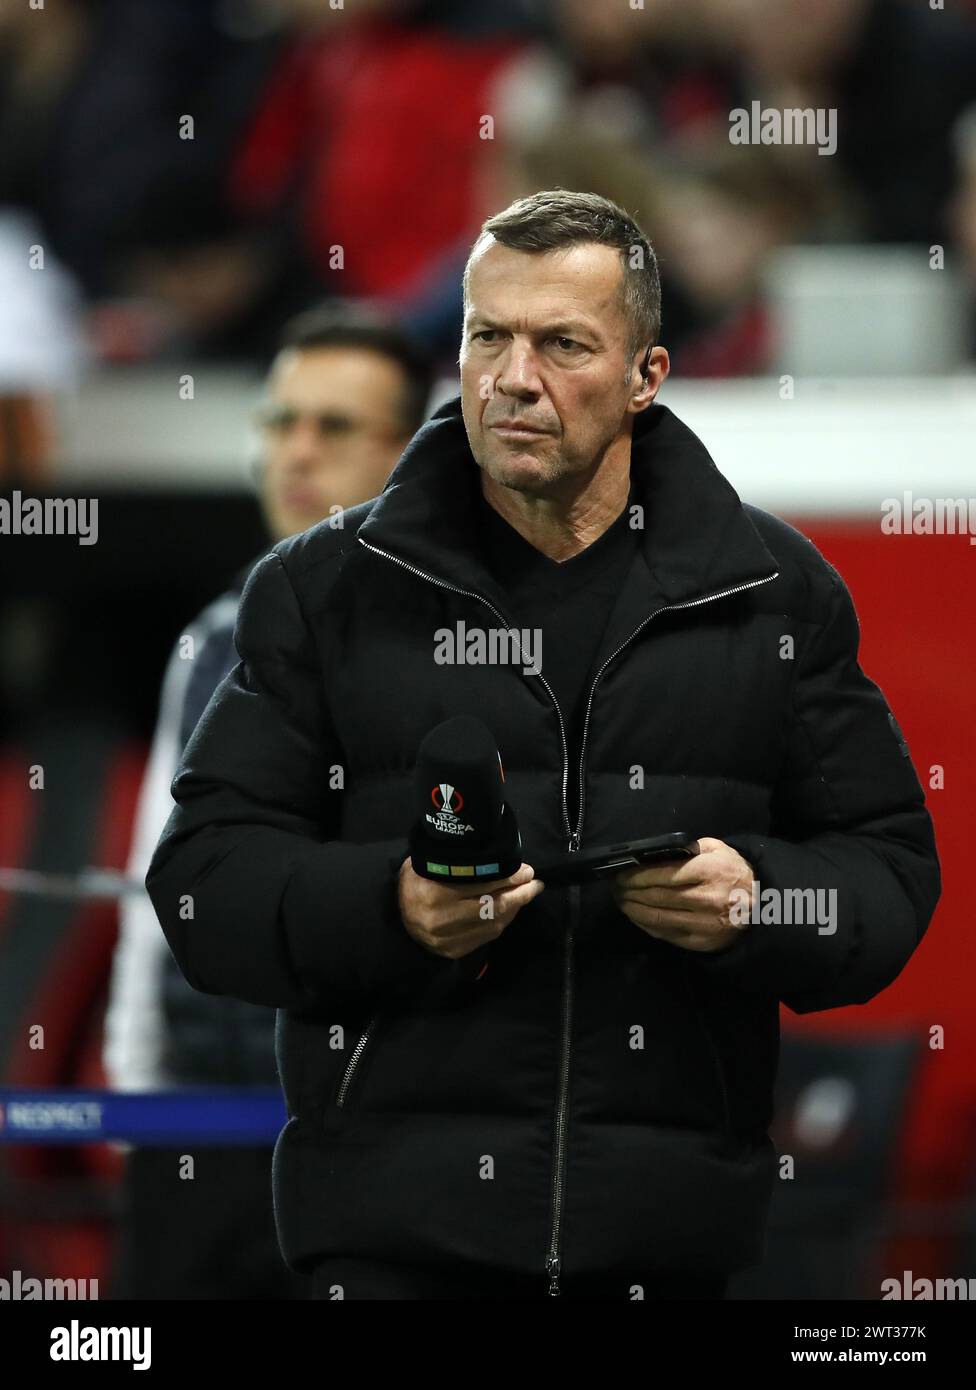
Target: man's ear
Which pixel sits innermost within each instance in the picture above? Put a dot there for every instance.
(652, 370)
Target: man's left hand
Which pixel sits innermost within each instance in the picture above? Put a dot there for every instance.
(687, 901)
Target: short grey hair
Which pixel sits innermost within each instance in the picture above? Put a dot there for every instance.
(560, 217)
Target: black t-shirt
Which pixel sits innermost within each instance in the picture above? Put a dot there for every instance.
(569, 602)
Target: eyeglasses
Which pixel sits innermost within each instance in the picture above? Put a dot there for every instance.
(330, 425)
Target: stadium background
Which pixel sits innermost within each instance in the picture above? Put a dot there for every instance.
(820, 346)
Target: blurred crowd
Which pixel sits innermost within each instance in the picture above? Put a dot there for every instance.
(199, 170)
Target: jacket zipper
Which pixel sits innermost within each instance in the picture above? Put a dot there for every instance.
(353, 1062)
(553, 1262)
(469, 593)
(558, 1164)
(562, 1108)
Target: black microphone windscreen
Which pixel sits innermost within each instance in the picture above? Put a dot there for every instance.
(463, 827)
(458, 775)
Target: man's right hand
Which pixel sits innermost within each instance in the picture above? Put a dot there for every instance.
(446, 918)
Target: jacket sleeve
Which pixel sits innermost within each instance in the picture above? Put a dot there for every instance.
(256, 896)
(848, 819)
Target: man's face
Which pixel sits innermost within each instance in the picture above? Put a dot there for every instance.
(544, 349)
(332, 432)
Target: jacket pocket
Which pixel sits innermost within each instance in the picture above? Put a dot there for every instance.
(352, 1067)
(715, 1052)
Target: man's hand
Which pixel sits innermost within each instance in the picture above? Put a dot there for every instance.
(447, 918)
(687, 902)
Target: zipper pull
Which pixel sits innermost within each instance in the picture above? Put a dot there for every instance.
(574, 842)
(552, 1266)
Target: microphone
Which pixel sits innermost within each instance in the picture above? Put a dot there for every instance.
(465, 831)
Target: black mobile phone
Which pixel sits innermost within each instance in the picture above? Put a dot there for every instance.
(607, 859)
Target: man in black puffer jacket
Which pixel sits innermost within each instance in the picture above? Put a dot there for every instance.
(544, 1090)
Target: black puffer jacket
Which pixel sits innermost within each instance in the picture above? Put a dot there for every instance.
(596, 1100)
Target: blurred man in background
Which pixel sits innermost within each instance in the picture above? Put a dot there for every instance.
(346, 391)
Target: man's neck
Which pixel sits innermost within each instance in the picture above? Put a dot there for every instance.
(562, 528)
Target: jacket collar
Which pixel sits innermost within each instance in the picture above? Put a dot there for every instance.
(697, 540)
